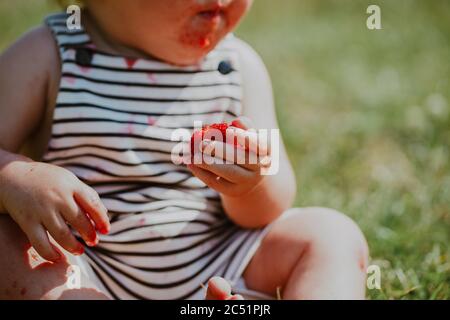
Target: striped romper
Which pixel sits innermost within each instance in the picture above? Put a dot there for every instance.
(112, 128)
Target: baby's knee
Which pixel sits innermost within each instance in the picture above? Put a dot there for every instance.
(327, 231)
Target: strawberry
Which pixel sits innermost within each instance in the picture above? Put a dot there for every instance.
(198, 135)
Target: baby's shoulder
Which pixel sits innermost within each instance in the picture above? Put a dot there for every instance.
(37, 45)
(27, 77)
(33, 55)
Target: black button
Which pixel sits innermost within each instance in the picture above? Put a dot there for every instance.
(225, 67)
(83, 56)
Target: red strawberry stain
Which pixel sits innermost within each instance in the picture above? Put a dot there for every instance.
(130, 62)
(197, 40)
(151, 120)
(69, 79)
(204, 42)
(151, 77)
(129, 128)
(85, 69)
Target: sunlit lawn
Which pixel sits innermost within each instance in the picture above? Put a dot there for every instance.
(366, 119)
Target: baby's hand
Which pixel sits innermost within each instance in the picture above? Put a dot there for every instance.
(242, 164)
(41, 197)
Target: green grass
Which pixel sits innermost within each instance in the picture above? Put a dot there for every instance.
(366, 119)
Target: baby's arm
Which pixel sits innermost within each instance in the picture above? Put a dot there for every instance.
(250, 199)
(275, 193)
(24, 75)
(38, 196)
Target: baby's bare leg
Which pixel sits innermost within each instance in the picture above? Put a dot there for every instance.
(314, 253)
(23, 277)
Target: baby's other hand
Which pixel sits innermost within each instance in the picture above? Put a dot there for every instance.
(219, 289)
(41, 197)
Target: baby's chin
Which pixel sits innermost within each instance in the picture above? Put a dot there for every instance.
(191, 51)
(187, 59)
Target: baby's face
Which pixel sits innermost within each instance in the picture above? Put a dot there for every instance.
(177, 31)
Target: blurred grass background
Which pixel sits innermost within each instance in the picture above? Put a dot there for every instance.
(365, 116)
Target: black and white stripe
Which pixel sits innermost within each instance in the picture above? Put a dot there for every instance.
(112, 128)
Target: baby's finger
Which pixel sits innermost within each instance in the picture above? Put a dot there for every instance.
(41, 243)
(210, 179)
(224, 151)
(78, 219)
(218, 289)
(59, 230)
(261, 162)
(243, 123)
(230, 154)
(232, 173)
(89, 201)
(252, 141)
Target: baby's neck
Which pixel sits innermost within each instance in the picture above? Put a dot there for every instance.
(105, 43)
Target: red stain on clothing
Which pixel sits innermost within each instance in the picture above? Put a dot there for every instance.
(217, 107)
(151, 120)
(23, 291)
(151, 77)
(129, 129)
(85, 69)
(70, 80)
(130, 62)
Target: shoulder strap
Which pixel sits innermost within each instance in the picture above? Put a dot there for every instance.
(66, 38)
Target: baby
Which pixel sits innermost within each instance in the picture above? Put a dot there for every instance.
(87, 180)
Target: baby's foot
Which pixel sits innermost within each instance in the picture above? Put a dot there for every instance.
(220, 289)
